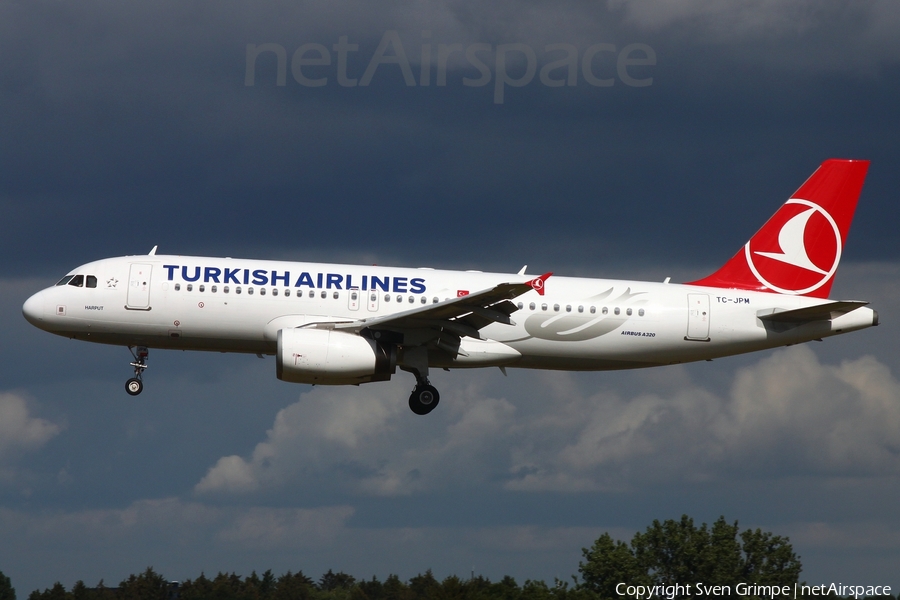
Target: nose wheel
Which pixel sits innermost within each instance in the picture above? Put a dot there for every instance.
(135, 385)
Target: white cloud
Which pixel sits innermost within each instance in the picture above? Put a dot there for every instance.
(787, 414)
(838, 420)
(366, 440)
(19, 431)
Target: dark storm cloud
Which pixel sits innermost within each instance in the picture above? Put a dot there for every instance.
(133, 123)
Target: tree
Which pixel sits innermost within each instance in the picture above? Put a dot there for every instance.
(7, 592)
(425, 587)
(610, 562)
(336, 581)
(678, 552)
(293, 586)
(196, 589)
(769, 560)
(394, 589)
(368, 590)
(57, 592)
(149, 585)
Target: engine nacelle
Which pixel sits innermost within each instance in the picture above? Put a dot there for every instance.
(328, 357)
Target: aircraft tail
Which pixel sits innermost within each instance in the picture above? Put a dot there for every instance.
(798, 250)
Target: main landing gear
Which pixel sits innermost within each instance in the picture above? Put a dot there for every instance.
(424, 398)
(135, 385)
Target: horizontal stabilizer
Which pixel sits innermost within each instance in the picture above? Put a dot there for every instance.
(820, 312)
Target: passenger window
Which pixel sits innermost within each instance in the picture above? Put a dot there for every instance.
(640, 312)
(399, 298)
(412, 299)
(202, 288)
(628, 312)
(354, 296)
(617, 311)
(312, 294)
(387, 297)
(190, 287)
(581, 309)
(237, 290)
(593, 310)
(274, 291)
(177, 287)
(520, 306)
(214, 289)
(91, 281)
(434, 300)
(287, 293)
(225, 289)
(373, 298)
(262, 291)
(605, 310)
(249, 291)
(531, 306)
(335, 295)
(568, 308)
(556, 307)
(543, 307)
(324, 294)
(424, 300)
(77, 281)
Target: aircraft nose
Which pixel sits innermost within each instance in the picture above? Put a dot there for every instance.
(33, 309)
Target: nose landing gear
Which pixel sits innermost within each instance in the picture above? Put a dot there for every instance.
(135, 385)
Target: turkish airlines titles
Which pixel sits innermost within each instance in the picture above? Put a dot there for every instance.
(337, 281)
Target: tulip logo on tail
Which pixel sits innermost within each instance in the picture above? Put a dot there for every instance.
(805, 254)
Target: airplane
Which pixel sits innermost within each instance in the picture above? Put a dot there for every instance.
(332, 324)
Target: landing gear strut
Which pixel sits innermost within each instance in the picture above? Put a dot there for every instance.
(135, 385)
(424, 397)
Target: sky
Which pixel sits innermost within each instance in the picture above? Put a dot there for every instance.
(641, 139)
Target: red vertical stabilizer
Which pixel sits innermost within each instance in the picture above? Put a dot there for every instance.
(798, 250)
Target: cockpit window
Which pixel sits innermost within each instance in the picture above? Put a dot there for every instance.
(77, 281)
(65, 280)
(91, 281)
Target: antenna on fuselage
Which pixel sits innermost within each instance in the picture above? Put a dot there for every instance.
(153, 252)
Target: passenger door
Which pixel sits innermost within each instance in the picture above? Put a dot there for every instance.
(139, 287)
(698, 318)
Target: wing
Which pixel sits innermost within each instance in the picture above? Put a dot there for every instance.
(445, 323)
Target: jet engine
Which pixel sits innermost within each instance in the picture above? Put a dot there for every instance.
(328, 357)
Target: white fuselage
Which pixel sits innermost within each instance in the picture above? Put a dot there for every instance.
(237, 305)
